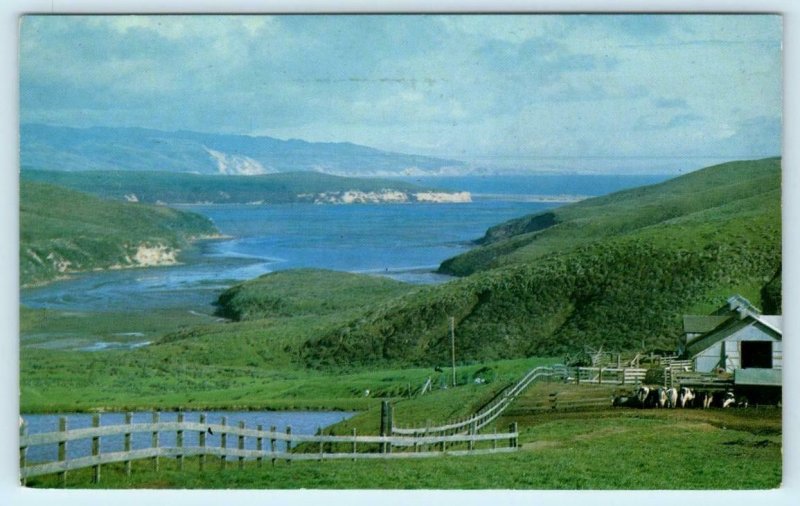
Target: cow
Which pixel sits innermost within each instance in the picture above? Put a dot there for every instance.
(642, 394)
(623, 401)
(661, 397)
(727, 399)
(672, 397)
(685, 397)
(705, 399)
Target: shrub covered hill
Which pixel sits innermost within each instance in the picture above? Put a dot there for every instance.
(617, 271)
(64, 231)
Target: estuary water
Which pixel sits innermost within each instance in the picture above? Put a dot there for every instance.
(403, 241)
(301, 422)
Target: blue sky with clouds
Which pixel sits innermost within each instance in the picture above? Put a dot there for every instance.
(535, 92)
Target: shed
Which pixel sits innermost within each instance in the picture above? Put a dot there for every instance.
(736, 337)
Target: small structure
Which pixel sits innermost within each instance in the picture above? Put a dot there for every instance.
(737, 340)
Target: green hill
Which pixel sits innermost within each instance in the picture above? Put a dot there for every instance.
(305, 292)
(64, 231)
(622, 213)
(155, 187)
(617, 271)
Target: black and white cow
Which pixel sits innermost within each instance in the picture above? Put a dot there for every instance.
(672, 397)
(624, 401)
(705, 399)
(727, 400)
(661, 397)
(642, 394)
(685, 397)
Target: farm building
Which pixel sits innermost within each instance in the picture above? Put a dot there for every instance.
(738, 340)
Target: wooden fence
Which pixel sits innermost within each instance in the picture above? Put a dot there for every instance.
(489, 413)
(608, 375)
(562, 401)
(297, 446)
(587, 375)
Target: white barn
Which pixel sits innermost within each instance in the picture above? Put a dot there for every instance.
(739, 340)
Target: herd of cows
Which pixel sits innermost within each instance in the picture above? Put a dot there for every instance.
(661, 397)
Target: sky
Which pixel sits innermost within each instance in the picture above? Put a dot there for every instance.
(640, 93)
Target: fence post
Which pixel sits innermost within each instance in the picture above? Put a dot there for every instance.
(288, 442)
(127, 442)
(272, 430)
(600, 376)
(319, 433)
(354, 444)
(513, 440)
(96, 449)
(577, 375)
(23, 450)
(201, 459)
(623, 375)
(62, 448)
(223, 442)
(472, 432)
(554, 401)
(241, 446)
(427, 432)
(384, 422)
(179, 441)
(260, 445)
(154, 441)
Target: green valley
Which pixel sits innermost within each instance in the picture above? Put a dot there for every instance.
(593, 280)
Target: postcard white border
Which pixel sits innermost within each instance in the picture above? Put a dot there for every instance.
(11, 493)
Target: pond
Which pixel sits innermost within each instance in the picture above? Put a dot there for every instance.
(301, 422)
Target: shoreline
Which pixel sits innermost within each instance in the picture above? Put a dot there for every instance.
(68, 275)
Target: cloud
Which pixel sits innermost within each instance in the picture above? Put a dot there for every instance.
(497, 86)
(670, 103)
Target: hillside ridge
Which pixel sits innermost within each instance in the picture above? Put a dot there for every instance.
(620, 283)
(139, 149)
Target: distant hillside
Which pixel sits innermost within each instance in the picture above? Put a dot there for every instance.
(529, 237)
(290, 187)
(63, 231)
(138, 149)
(615, 271)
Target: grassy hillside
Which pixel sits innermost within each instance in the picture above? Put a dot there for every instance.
(617, 271)
(304, 292)
(63, 231)
(623, 213)
(192, 188)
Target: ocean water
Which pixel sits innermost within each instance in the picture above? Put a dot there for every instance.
(403, 241)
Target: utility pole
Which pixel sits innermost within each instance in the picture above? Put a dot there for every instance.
(453, 346)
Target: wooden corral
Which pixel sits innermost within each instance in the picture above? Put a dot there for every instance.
(566, 396)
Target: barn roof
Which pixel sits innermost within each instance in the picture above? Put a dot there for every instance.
(728, 329)
(700, 324)
(736, 314)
